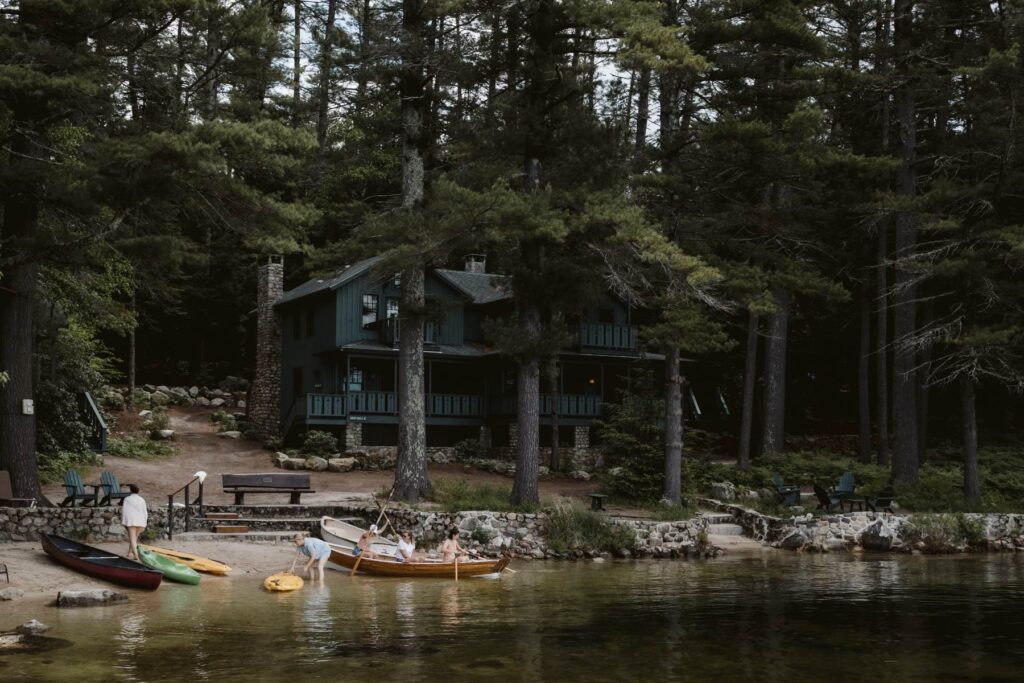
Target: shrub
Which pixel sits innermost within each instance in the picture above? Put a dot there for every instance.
(632, 441)
(469, 449)
(572, 527)
(138, 448)
(52, 466)
(226, 422)
(941, 533)
(158, 420)
(459, 495)
(319, 443)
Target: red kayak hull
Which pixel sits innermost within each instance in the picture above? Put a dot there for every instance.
(100, 564)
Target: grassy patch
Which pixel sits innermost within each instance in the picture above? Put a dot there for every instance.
(571, 527)
(457, 495)
(52, 466)
(138, 447)
(943, 533)
(672, 513)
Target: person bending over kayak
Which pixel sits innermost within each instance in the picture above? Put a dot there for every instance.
(313, 548)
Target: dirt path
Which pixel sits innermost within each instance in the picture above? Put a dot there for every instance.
(200, 448)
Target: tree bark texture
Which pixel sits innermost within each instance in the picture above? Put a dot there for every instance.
(673, 427)
(411, 478)
(924, 368)
(643, 108)
(131, 352)
(904, 390)
(882, 346)
(749, 381)
(864, 381)
(972, 490)
(297, 62)
(17, 295)
(525, 488)
(555, 462)
(774, 432)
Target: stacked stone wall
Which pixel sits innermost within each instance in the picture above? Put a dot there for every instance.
(265, 393)
(79, 523)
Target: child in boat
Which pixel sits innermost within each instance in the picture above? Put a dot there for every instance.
(364, 542)
(450, 548)
(406, 547)
(313, 548)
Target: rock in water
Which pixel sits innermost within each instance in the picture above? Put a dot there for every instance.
(11, 593)
(88, 597)
(32, 627)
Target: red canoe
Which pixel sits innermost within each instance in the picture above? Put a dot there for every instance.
(100, 563)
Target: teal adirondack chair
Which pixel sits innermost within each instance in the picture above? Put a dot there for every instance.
(789, 494)
(827, 501)
(845, 485)
(76, 491)
(112, 489)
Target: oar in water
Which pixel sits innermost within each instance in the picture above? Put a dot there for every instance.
(456, 566)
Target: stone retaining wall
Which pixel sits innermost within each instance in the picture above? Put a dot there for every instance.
(881, 530)
(79, 523)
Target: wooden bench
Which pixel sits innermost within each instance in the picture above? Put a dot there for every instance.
(271, 482)
(597, 501)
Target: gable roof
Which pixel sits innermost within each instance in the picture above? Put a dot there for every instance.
(480, 288)
(317, 285)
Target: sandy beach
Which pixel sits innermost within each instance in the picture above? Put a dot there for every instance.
(40, 577)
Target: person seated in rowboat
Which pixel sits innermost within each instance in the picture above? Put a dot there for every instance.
(451, 548)
(313, 548)
(365, 540)
(406, 547)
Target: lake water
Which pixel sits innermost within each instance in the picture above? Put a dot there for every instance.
(774, 617)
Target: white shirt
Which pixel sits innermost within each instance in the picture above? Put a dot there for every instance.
(405, 548)
(133, 511)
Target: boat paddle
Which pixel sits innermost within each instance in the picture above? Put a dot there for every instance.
(360, 558)
(456, 566)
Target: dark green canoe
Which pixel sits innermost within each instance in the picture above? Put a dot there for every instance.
(175, 571)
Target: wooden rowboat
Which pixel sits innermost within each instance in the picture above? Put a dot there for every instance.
(345, 535)
(100, 564)
(421, 569)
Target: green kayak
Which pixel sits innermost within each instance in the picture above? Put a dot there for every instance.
(175, 571)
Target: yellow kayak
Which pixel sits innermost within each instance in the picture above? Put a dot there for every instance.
(200, 564)
(283, 581)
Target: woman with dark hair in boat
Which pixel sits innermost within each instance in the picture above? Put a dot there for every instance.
(134, 517)
(313, 548)
(450, 548)
(364, 543)
(406, 547)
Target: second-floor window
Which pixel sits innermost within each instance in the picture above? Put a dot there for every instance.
(392, 307)
(369, 309)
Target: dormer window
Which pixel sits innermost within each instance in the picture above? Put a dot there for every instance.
(392, 307)
(397, 281)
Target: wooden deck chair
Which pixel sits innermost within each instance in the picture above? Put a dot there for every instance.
(76, 491)
(112, 489)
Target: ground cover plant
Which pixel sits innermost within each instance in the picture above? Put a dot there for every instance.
(458, 495)
(570, 527)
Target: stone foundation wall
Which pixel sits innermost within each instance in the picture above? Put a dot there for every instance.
(881, 530)
(78, 523)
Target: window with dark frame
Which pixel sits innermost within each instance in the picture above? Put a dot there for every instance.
(355, 379)
(392, 307)
(369, 309)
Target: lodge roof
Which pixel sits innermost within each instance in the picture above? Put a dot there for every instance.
(480, 288)
(317, 285)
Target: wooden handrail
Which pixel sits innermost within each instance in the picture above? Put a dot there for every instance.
(188, 506)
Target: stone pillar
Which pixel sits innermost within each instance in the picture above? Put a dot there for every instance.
(264, 405)
(581, 439)
(353, 436)
(513, 435)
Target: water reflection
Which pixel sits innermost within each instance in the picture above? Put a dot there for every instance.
(776, 617)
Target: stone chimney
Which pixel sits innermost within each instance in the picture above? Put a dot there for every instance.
(264, 405)
(476, 263)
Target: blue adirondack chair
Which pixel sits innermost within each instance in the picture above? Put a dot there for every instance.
(883, 500)
(845, 486)
(76, 491)
(789, 494)
(112, 489)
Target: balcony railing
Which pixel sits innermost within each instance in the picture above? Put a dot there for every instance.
(569, 405)
(607, 336)
(455, 405)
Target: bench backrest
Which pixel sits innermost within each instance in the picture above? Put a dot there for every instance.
(268, 480)
(73, 483)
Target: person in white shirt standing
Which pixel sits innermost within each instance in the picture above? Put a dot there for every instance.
(134, 516)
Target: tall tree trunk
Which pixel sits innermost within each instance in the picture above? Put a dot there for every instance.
(324, 86)
(131, 351)
(213, 30)
(673, 427)
(297, 62)
(363, 72)
(863, 379)
(749, 380)
(882, 346)
(17, 295)
(904, 390)
(554, 379)
(525, 488)
(924, 368)
(774, 430)
(972, 490)
(411, 478)
(643, 108)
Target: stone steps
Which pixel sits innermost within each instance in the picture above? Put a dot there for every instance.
(725, 530)
(717, 517)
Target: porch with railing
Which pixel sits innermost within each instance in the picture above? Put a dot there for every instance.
(569, 405)
(606, 336)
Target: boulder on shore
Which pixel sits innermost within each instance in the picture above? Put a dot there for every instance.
(11, 593)
(723, 490)
(315, 463)
(341, 464)
(230, 434)
(162, 434)
(89, 597)
(31, 628)
(294, 464)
